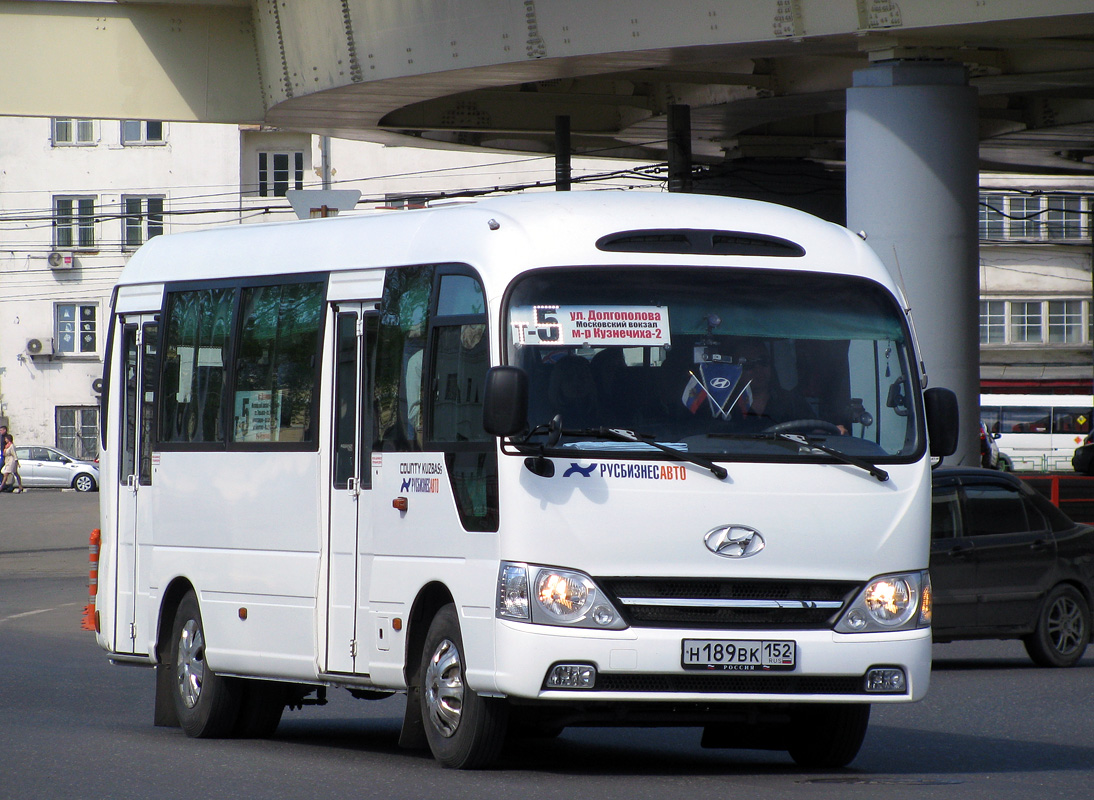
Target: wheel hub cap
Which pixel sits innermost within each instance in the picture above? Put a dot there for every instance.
(190, 668)
(444, 688)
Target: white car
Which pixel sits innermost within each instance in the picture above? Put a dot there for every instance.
(48, 467)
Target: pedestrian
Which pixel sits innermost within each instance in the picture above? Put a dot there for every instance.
(10, 470)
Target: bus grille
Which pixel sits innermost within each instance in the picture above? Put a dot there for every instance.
(714, 604)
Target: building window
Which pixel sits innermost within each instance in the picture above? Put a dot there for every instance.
(1065, 321)
(142, 131)
(143, 219)
(74, 222)
(1025, 217)
(279, 172)
(992, 221)
(1065, 218)
(78, 431)
(1025, 321)
(1040, 217)
(993, 322)
(1051, 322)
(76, 328)
(68, 132)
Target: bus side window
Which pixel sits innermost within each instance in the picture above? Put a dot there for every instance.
(1071, 420)
(199, 324)
(276, 369)
(404, 312)
(459, 359)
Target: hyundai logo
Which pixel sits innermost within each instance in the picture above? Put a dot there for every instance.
(734, 541)
(720, 383)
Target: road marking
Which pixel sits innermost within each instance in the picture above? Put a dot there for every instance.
(35, 612)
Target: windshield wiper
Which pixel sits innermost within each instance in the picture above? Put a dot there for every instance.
(623, 435)
(803, 441)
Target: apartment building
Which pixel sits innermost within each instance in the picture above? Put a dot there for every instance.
(1036, 310)
(78, 197)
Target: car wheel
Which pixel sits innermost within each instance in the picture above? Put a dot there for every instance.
(826, 736)
(1063, 629)
(206, 704)
(464, 730)
(1005, 464)
(83, 483)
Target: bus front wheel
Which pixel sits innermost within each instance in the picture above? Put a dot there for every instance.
(206, 704)
(827, 736)
(464, 730)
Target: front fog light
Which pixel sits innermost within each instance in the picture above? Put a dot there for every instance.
(571, 676)
(886, 680)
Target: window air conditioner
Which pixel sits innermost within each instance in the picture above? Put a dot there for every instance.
(42, 347)
(60, 260)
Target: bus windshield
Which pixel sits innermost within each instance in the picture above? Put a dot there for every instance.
(738, 363)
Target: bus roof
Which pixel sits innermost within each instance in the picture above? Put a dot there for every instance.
(502, 237)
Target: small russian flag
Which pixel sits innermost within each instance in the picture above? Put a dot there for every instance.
(694, 395)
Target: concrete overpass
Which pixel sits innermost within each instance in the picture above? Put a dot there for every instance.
(913, 97)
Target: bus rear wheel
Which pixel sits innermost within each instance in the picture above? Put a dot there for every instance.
(464, 730)
(207, 705)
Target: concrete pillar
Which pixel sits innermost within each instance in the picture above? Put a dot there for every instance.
(679, 150)
(912, 186)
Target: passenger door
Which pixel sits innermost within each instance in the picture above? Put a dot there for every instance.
(350, 539)
(953, 566)
(140, 338)
(1015, 554)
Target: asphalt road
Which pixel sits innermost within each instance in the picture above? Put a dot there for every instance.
(72, 726)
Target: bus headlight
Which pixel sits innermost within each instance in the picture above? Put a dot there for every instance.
(549, 596)
(890, 603)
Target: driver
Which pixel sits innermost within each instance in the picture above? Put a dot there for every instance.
(763, 398)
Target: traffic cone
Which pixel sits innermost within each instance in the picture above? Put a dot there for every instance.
(88, 623)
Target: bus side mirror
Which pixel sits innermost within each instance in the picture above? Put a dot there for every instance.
(505, 405)
(942, 421)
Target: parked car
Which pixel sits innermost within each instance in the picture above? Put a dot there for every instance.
(989, 448)
(1008, 564)
(1083, 459)
(991, 457)
(45, 467)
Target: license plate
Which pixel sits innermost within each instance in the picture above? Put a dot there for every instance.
(739, 655)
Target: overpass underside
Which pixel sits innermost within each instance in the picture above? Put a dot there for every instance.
(762, 79)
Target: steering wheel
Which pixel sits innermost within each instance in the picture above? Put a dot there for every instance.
(804, 426)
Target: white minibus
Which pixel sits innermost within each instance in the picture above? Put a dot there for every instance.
(535, 462)
(1038, 432)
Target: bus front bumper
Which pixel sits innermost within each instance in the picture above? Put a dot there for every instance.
(642, 665)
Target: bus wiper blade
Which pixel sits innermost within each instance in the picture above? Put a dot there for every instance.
(861, 463)
(623, 435)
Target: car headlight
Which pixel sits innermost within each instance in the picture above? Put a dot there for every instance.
(548, 596)
(890, 603)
